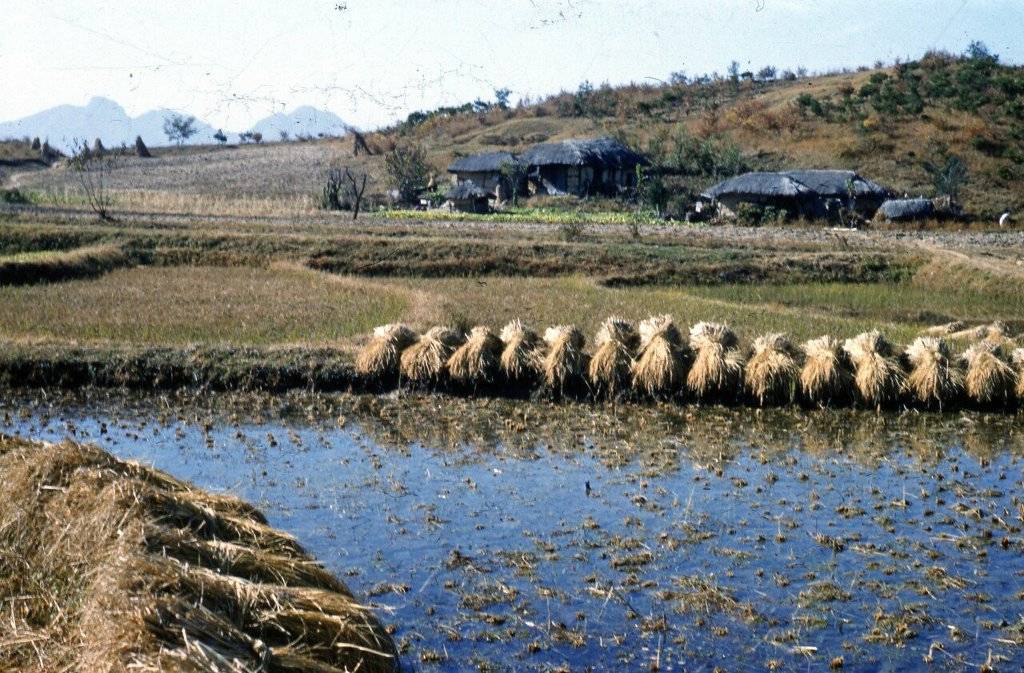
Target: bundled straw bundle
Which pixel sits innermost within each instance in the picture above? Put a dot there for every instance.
(825, 376)
(717, 370)
(990, 379)
(878, 377)
(772, 372)
(660, 365)
(380, 358)
(565, 362)
(934, 380)
(944, 329)
(610, 367)
(523, 354)
(426, 360)
(476, 361)
(1018, 362)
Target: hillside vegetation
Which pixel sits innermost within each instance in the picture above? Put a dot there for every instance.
(908, 126)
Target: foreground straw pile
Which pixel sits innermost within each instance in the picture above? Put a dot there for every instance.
(658, 359)
(107, 565)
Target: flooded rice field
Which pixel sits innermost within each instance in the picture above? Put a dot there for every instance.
(498, 535)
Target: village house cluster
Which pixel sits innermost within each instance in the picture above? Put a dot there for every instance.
(606, 167)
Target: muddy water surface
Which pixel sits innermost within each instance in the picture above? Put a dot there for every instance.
(501, 535)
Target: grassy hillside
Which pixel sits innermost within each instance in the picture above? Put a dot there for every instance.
(893, 124)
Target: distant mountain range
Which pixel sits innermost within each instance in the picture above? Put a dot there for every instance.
(104, 119)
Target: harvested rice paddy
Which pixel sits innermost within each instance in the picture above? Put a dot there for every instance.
(499, 535)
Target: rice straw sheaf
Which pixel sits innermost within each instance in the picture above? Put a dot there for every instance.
(660, 365)
(717, 371)
(379, 359)
(825, 377)
(426, 361)
(612, 362)
(523, 353)
(565, 363)
(934, 380)
(478, 360)
(945, 329)
(1018, 361)
(990, 379)
(878, 377)
(772, 372)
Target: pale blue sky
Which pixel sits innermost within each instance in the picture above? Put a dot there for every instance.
(372, 61)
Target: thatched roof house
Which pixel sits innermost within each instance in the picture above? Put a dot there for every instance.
(581, 166)
(807, 193)
(468, 197)
(484, 170)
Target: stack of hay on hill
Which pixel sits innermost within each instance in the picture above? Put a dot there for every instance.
(990, 379)
(717, 371)
(565, 363)
(381, 358)
(825, 377)
(426, 361)
(522, 356)
(660, 365)
(934, 380)
(478, 360)
(772, 372)
(612, 362)
(878, 377)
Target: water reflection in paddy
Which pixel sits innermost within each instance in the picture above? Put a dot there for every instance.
(500, 535)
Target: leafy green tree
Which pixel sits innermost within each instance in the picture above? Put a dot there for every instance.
(178, 127)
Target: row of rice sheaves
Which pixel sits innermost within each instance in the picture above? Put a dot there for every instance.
(656, 359)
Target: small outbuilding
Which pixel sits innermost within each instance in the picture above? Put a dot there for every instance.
(581, 167)
(468, 197)
(904, 210)
(483, 170)
(803, 193)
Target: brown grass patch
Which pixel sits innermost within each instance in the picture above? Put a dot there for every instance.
(111, 566)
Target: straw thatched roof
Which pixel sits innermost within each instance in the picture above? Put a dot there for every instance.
(906, 209)
(482, 163)
(596, 152)
(467, 190)
(822, 183)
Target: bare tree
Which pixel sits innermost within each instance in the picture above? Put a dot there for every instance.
(344, 189)
(93, 173)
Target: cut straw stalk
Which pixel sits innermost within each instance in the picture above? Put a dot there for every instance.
(825, 377)
(878, 378)
(934, 380)
(772, 372)
(660, 365)
(612, 363)
(565, 362)
(380, 358)
(426, 361)
(1018, 362)
(477, 361)
(717, 370)
(523, 355)
(990, 379)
